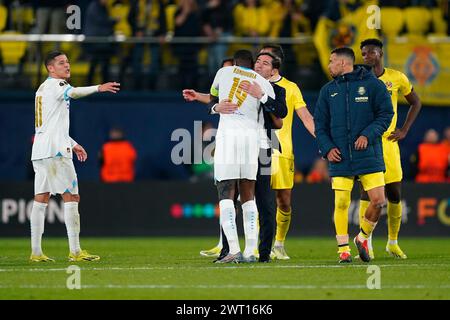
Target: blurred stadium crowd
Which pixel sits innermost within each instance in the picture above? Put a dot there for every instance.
(156, 61)
(165, 20)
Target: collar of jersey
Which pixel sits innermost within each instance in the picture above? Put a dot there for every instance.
(278, 80)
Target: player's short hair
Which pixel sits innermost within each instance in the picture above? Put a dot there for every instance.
(371, 42)
(277, 50)
(344, 51)
(226, 60)
(51, 56)
(243, 58)
(276, 62)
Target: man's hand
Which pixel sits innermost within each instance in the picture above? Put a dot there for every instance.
(361, 143)
(252, 89)
(80, 152)
(226, 107)
(190, 95)
(398, 134)
(334, 155)
(113, 87)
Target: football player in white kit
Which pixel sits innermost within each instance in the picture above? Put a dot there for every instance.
(52, 155)
(238, 141)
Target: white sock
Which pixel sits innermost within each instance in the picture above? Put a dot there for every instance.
(37, 223)
(250, 213)
(220, 245)
(393, 242)
(369, 242)
(228, 222)
(72, 220)
(278, 243)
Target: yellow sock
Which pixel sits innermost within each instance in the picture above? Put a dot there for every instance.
(342, 241)
(363, 205)
(283, 222)
(394, 213)
(366, 228)
(341, 204)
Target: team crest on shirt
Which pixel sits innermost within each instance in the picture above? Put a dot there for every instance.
(68, 150)
(388, 85)
(361, 91)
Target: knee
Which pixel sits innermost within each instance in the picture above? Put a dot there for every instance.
(393, 195)
(75, 198)
(42, 197)
(378, 201)
(284, 202)
(342, 203)
(342, 200)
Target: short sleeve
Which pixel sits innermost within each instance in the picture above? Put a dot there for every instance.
(214, 91)
(61, 89)
(297, 98)
(405, 87)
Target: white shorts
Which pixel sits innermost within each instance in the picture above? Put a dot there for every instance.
(236, 156)
(55, 175)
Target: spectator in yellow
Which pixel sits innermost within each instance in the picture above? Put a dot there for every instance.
(251, 19)
(287, 19)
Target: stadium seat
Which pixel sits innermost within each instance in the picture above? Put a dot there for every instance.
(3, 17)
(392, 21)
(12, 52)
(417, 20)
(439, 24)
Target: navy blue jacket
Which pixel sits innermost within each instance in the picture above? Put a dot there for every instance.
(353, 105)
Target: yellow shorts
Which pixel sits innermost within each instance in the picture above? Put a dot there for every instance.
(368, 181)
(282, 173)
(391, 156)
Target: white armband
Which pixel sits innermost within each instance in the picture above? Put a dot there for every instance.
(80, 92)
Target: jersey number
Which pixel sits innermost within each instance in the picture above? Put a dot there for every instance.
(237, 92)
(38, 112)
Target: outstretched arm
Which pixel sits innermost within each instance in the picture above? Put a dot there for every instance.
(192, 95)
(80, 92)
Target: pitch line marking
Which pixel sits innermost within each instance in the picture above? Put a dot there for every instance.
(230, 286)
(225, 267)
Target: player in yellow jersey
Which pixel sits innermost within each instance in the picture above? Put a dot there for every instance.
(396, 83)
(283, 162)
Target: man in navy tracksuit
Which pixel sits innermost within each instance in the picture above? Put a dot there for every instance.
(352, 113)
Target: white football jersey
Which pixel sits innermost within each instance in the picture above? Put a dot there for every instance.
(226, 85)
(52, 121)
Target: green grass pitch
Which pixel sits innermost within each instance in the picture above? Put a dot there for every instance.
(171, 268)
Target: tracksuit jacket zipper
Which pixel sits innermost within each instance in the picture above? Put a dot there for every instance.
(348, 123)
